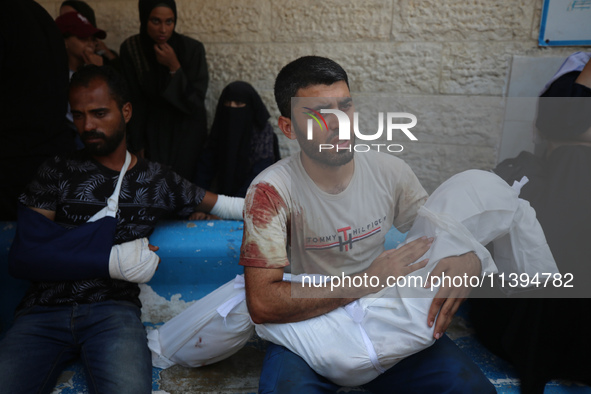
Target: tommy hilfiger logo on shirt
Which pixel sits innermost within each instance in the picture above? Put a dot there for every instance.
(345, 237)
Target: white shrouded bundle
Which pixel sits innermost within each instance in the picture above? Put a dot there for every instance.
(352, 345)
(210, 330)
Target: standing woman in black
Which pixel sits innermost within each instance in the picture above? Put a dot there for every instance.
(167, 76)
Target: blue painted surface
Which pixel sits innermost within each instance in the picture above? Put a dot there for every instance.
(197, 257)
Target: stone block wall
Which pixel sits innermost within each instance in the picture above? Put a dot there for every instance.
(428, 48)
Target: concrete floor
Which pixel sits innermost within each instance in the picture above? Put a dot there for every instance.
(237, 374)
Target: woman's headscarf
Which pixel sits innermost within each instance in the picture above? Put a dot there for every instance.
(152, 75)
(146, 7)
(242, 92)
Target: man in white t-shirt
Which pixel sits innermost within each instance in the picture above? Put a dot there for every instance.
(326, 211)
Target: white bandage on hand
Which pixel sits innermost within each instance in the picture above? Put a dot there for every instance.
(228, 207)
(133, 261)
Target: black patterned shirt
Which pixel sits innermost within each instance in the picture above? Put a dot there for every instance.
(76, 187)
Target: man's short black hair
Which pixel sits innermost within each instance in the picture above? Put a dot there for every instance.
(304, 72)
(115, 82)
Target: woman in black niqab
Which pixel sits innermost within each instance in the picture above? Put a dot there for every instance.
(242, 143)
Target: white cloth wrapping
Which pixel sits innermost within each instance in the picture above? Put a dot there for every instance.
(352, 345)
(210, 330)
(228, 207)
(133, 261)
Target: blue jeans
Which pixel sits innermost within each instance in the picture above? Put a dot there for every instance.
(441, 368)
(108, 337)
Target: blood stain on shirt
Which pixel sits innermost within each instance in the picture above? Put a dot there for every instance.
(251, 249)
(265, 205)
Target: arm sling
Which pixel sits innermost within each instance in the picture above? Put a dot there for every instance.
(43, 250)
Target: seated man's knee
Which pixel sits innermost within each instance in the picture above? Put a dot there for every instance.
(285, 372)
(469, 381)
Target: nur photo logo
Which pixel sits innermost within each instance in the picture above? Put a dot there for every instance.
(392, 123)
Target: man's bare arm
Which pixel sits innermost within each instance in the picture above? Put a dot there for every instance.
(208, 202)
(271, 300)
(45, 212)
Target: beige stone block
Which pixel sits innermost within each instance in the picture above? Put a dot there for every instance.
(388, 67)
(120, 19)
(435, 163)
(453, 134)
(226, 20)
(257, 64)
(459, 20)
(537, 19)
(459, 120)
(331, 20)
(464, 120)
(480, 68)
